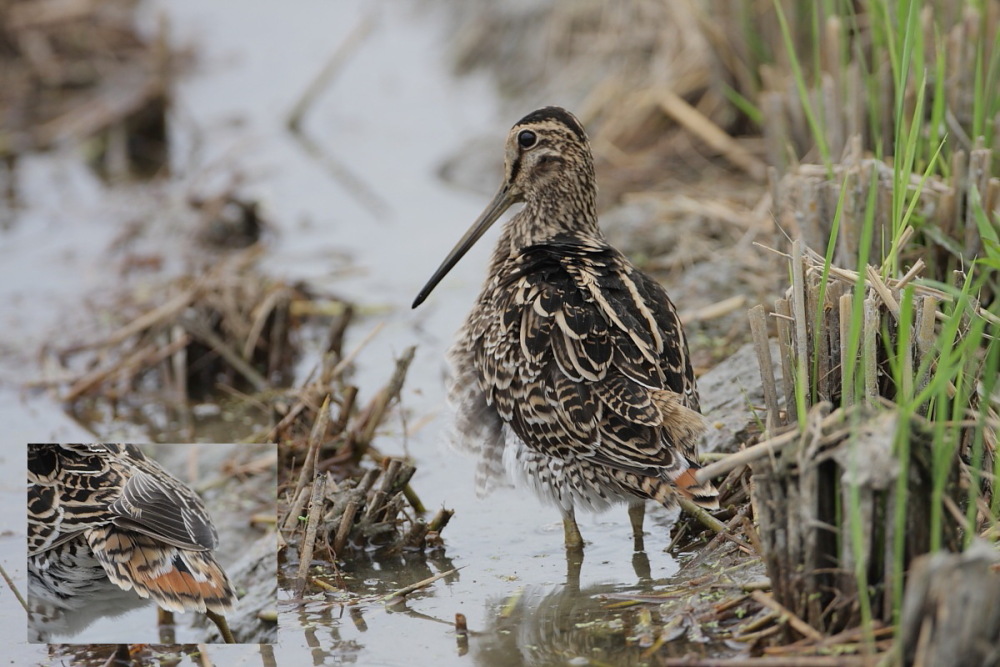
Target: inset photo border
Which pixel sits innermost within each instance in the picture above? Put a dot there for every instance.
(151, 544)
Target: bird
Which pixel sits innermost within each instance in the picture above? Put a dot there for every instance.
(571, 374)
(105, 519)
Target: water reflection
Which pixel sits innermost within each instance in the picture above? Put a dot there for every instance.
(157, 655)
(334, 624)
(541, 625)
(567, 624)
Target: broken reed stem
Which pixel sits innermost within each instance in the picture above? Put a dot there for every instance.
(758, 451)
(149, 320)
(440, 520)
(883, 291)
(850, 637)
(340, 56)
(376, 409)
(295, 511)
(260, 314)
(344, 529)
(420, 530)
(709, 550)
(762, 347)
(797, 623)
(239, 364)
(710, 522)
(406, 590)
(846, 305)
(695, 122)
(414, 500)
(776, 661)
(783, 319)
(178, 365)
(335, 343)
(461, 634)
(150, 355)
(13, 588)
(285, 422)
(340, 171)
(801, 324)
(312, 453)
(347, 398)
(312, 525)
(869, 350)
(378, 500)
(352, 355)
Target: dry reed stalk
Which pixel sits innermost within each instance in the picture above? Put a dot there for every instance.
(950, 613)
(805, 202)
(710, 133)
(228, 326)
(73, 70)
(307, 473)
(312, 526)
(846, 459)
(758, 329)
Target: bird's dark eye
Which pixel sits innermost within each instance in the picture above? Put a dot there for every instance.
(526, 139)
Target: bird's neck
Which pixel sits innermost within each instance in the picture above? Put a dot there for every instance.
(560, 211)
(539, 223)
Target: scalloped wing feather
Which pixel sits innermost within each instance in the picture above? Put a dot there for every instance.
(583, 356)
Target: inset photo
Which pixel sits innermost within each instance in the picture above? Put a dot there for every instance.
(151, 544)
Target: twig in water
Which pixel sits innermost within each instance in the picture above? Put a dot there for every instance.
(13, 588)
(353, 183)
(406, 590)
(710, 522)
(346, 361)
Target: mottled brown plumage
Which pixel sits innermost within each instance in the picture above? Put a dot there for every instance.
(103, 516)
(572, 370)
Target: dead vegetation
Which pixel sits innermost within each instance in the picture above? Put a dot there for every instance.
(845, 481)
(78, 71)
(213, 350)
(234, 331)
(828, 504)
(338, 506)
(231, 326)
(656, 84)
(944, 238)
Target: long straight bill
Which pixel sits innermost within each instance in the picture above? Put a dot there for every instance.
(502, 200)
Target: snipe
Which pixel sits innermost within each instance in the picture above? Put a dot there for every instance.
(572, 370)
(104, 518)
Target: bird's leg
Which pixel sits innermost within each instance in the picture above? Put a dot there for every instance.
(122, 655)
(574, 565)
(571, 532)
(636, 513)
(222, 625)
(167, 626)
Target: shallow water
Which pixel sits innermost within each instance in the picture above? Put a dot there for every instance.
(393, 115)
